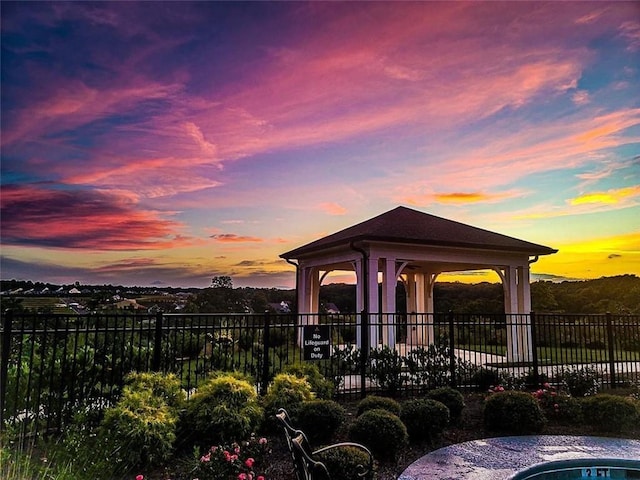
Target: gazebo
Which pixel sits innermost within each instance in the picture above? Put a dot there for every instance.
(416, 247)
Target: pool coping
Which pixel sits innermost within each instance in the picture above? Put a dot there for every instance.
(499, 458)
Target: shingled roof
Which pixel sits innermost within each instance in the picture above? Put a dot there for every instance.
(408, 226)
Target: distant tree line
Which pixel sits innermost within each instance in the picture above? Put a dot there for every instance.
(619, 294)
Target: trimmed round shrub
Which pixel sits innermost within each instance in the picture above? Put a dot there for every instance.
(321, 387)
(286, 391)
(609, 413)
(320, 419)
(345, 463)
(513, 412)
(223, 410)
(452, 398)
(162, 385)
(424, 418)
(380, 431)
(373, 401)
(139, 431)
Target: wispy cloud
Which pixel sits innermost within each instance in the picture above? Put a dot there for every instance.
(83, 219)
(613, 196)
(233, 238)
(332, 208)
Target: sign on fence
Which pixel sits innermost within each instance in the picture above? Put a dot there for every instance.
(316, 342)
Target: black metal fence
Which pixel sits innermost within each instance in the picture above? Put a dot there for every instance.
(52, 365)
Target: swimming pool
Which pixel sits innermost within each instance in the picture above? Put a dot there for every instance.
(536, 457)
(582, 468)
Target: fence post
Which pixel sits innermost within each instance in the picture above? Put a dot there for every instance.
(534, 351)
(265, 353)
(612, 360)
(157, 344)
(4, 361)
(364, 352)
(452, 355)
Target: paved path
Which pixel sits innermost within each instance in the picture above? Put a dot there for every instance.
(500, 458)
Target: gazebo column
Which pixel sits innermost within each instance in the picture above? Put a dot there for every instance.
(358, 266)
(314, 286)
(308, 297)
(421, 330)
(519, 345)
(389, 283)
(372, 301)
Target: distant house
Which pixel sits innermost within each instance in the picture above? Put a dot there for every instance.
(282, 307)
(331, 308)
(74, 291)
(129, 305)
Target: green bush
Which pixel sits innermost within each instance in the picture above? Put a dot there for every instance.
(224, 409)
(386, 368)
(609, 413)
(484, 378)
(513, 412)
(344, 463)
(452, 398)
(580, 382)
(139, 431)
(162, 385)
(321, 387)
(286, 391)
(380, 431)
(430, 367)
(320, 419)
(373, 401)
(425, 419)
(559, 407)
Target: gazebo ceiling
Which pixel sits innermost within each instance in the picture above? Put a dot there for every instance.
(404, 225)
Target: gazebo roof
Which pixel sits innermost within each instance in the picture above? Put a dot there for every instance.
(408, 226)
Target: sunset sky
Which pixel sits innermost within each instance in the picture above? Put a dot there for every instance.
(163, 143)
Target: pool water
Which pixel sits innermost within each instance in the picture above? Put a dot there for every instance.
(581, 469)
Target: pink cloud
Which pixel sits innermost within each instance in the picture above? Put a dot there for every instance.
(332, 208)
(233, 238)
(76, 219)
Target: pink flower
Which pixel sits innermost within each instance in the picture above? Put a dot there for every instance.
(546, 385)
(242, 476)
(262, 441)
(260, 477)
(249, 462)
(227, 456)
(206, 458)
(213, 449)
(139, 477)
(233, 458)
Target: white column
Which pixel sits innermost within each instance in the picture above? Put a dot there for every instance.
(374, 308)
(304, 300)
(524, 290)
(389, 282)
(358, 266)
(524, 308)
(519, 344)
(314, 299)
